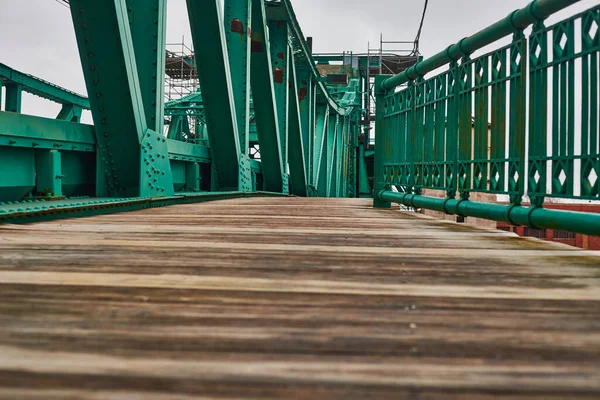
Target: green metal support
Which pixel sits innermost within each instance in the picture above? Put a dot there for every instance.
(212, 58)
(320, 158)
(332, 154)
(131, 164)
(14, 92)
(70, 112)
(306, 102)
(296, 130)
(279, 49)
(175, 126)
(238, 28)
(42, 88)
(437, 132)
(48, 173)
(363, 179)
(147, 20)
(265, 108)
(192, 177)
(383, 144)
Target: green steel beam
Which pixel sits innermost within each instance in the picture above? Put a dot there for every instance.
(383, 144)
(237, 32)
(306, 102)
(14, 93)
(147, 20)
(265, 109)
(175, 126)
(41, 88)
(363, 178)
(296, 132)
(537, 10)
(19, 130)
(279, 49)
(309, 62)
(49, 173)
(188, 151)
(332, 154)
(319, 178)
(110, 72)
(208, 35)
(69, 112)
(535, 217)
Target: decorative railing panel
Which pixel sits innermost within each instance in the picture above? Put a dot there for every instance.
(519, 121)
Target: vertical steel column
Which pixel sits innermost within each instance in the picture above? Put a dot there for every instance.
(237, 32)
(133, 161)
(332, 153)
(48, 172)
(208, 35)
(69, 112)
(296, 132)
(14, 93)
(320, 151)
(305, 99)
(148, 23)
(383, 140)
(265, 110)
(279, 48)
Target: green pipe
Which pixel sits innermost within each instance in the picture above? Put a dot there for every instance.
(535, 217)
(537, 10)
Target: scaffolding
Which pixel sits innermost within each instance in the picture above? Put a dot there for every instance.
(391, 58)
(181, 74)
(181, 85)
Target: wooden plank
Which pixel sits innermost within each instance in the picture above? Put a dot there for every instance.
(292, 298)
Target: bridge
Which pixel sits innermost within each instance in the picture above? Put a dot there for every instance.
(237, 242)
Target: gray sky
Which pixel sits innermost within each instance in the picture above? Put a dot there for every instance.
(36, 36)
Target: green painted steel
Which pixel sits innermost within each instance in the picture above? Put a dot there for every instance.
(147, 20)
(69, 112)
(18, 130)
(42, 88)
(297, 131)
(265, 106)
(307, 130)
(319, 178)
(534, 216)
(237, 32)
(110, 71)
(14, 94)
(465, 130)
(212, 60)
(280, 54)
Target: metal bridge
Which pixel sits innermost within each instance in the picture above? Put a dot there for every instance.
(257, 254)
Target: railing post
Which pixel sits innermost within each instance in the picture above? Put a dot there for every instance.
(383, 144)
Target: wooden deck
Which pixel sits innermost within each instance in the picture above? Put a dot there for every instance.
(294, 299)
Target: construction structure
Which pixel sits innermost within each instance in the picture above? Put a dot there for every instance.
(214, 241)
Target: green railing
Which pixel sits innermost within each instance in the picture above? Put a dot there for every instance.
(519, 121)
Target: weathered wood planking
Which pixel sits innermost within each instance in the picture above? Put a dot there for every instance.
(292, 298)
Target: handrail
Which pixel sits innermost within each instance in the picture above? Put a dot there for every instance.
(501, 123)
(518, 20)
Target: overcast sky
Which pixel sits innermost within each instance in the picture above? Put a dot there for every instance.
(36, 36)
